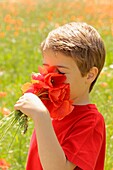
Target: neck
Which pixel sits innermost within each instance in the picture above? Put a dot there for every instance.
(81, 100)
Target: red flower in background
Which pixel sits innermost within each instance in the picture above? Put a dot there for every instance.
(2, 94)
(51, 88)
(5, 111)
(4, 165)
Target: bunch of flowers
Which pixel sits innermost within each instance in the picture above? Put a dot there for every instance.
(51, 88)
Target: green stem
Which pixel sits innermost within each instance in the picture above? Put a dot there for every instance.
(6, 130)
(12, 140)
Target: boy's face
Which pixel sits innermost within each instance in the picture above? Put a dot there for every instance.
(79, 88)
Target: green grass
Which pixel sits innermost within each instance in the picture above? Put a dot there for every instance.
(20, 55)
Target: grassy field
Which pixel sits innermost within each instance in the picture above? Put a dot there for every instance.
(23, 25)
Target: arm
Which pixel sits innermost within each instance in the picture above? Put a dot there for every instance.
(50, 151)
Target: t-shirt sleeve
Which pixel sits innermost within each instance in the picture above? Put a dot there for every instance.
(84, 142)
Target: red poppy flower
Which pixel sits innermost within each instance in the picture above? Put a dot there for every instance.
(54, 80)
(37, 77)
(59, 104)
(45, 71)
(58, 95)
(63, 110)
(51, 88)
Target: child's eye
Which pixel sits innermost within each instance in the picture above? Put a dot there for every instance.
(60, 72)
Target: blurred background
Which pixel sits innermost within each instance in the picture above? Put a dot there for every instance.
(23, 26)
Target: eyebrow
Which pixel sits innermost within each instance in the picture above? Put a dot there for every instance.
(59, 66)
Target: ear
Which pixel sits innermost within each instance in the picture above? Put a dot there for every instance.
(92, 74)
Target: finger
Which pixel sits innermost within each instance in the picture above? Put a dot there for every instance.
(20, 100)
(29, 94)
(17, 106)
(22, 97)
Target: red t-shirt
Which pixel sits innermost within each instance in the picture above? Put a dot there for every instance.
(82, 137)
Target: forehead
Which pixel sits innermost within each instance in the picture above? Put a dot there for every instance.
(57, 58)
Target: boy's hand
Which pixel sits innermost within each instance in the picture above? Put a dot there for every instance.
(30, 105)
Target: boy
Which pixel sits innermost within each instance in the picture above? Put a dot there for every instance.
(78, 140)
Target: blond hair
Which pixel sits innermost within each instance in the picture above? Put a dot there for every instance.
(81, 42)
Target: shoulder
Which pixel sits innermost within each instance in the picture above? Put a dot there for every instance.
(91, 120)
(89, 115)
(85, 117)
(88, 112)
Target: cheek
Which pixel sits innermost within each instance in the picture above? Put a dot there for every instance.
(69, 80)
(73, 89)
(76, 87)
